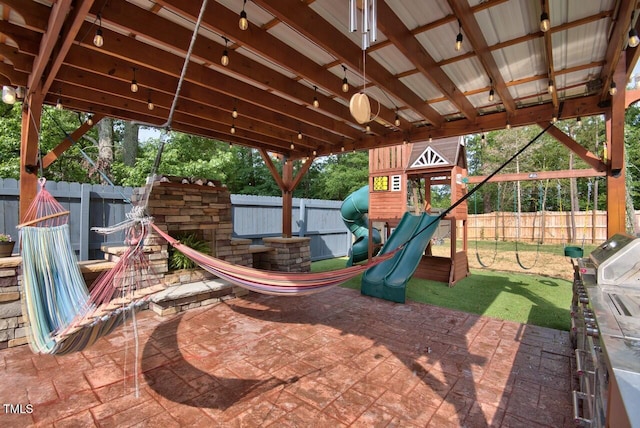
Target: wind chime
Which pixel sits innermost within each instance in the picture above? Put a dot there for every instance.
(359, 105)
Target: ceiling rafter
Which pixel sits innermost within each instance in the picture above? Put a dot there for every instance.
(548, 51)
(479, 44)
(312, 26)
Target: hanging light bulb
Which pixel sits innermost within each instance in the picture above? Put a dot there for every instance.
(299, 135)
(579, 121)
(404, 141)
(342, 148)
(634, 40)
(292, 146)
(150, 105)
(459, 37)
(134, 82)
(508, 126)
(345, 82)
(316, 103)
(612, 89)
(231, 145)
(98, 39)
(492, 95)
(90, 120)
(551, 86)
(234, 113)
(8, 95)
(233, 129)
(554, 119)
(397, 120)
(243, 23)
(430, 138)
(315, 153)
(224, 59)
(483, 138)
(59, 104)
(367, 129)
(545, 24)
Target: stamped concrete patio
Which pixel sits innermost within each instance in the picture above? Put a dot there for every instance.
(333, 359)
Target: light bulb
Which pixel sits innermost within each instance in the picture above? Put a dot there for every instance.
(315, 153)
(612, 89)
(224, 60)
(430, 139)
(90, 120)
(458, 42)
(292, 146)
(579, 121)
(545, 24)
(8, 95)
(98, 39)
(150, 105)
(508, 125)
(59, 104)
(299, 135)
(243, 23)
(233, 129)
(342, 149)
(554, 119)
(316, 103)
(551, 87)
(234, 113)
(634, 40)
(491, 95)
(397, 121)
(345, 85)
(367, 129)
(134, 86)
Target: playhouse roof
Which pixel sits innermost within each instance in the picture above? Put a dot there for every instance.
(443, 152)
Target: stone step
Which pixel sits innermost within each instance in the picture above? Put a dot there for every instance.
(192, 295)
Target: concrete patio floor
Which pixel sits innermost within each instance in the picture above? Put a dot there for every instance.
(333, 359)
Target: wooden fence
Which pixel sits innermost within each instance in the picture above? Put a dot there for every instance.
(548, 227)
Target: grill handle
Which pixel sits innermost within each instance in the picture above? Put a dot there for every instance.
(579, 420)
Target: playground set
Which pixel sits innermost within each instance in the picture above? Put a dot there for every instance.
(386, 200)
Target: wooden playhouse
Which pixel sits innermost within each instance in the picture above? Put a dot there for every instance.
(401, 179)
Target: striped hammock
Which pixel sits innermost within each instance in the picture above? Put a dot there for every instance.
(270, 282)
(62, 315)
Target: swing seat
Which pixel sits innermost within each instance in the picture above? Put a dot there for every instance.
(573, 252)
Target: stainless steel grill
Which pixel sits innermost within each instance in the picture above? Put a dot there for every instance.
(606, 333)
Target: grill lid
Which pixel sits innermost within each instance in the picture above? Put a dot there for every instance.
(617, 261)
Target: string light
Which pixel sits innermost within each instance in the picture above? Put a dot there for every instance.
(315, 153)
(634, 40)
(90, 120)
(430, 138)
(397, 121)
(233, 129)
(483, 138)
(554, 119)
(224, 60)
(508, 125)
(545, 24)
(134, 82)
(98, 39)
(316, 103)
(8, 95)
(292, 146)
(579, 121)
(551, 86)
(459, 37)
(59, 104)
(612, 89)
(342, 148)
(345, 82)
(299, 135)
(234, 113)
(150, 105)
(243, 23)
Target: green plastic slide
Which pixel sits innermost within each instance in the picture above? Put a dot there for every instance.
(388, 280)
(353, 211)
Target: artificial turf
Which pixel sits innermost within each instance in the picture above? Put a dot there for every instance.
(524, 298)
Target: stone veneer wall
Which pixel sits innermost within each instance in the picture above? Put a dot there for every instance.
(12, 325)
(290, 255)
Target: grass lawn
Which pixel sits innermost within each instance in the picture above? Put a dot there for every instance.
(524, 298)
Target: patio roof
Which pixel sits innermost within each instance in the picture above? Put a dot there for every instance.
(294, 51)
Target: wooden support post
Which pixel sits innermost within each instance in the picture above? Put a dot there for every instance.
(616, 187)
(31, 115)
(287, 198)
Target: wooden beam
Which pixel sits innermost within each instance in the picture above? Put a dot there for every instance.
(287, 198)
(272, 168)
(539, 175)
(301, 172)
(67, 37)
(58, 14)
(615, 45)
(397, 32)
(548, 53)
(474, 34)
(31, 115)
(67, 142)
(34, 14)
(584, 154)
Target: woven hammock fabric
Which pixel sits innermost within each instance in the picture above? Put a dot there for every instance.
(270, 282)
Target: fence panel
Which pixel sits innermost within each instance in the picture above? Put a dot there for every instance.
(254, 217)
